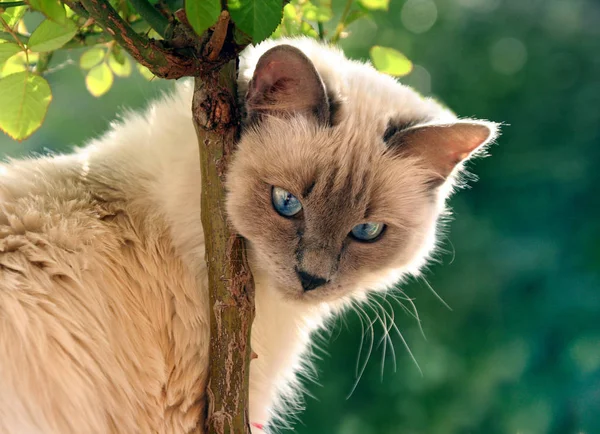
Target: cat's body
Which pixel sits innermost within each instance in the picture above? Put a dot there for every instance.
(103, 297)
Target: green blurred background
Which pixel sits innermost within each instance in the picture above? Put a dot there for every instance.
(520, 350)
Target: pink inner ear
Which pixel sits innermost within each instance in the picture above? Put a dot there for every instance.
(286, 81)
(445, 146)
(465, 139)
(268, 75)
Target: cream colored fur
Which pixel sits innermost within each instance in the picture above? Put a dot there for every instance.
(103, 298)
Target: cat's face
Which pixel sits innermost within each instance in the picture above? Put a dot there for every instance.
(340, 182)
(329, 208)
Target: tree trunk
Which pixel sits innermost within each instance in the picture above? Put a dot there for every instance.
(217, 122)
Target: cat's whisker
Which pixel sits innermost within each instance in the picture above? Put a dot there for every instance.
(392, 318)
(414, 313)
(435, 293)
(416, 316)
(360, 312)
(364, 365)
(386, 334)
(408, 349)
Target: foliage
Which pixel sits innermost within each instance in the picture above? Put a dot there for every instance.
(67, 26)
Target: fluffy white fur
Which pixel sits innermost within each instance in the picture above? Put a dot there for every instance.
(103, 298)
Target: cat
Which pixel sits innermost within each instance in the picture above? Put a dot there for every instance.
(338, 182)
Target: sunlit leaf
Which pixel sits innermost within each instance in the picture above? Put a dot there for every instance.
(92, 57)
(375, 4)
(390, 61)
(145, 72)
(257, 18)
(52, 9)
(18, 63)
(13, 15)
(308, 30)
(289, 12)
(312, 12)
(309, 11)
(99, 80)
(120, 70)
(290, 24)
(8, 50)
(202, 14)
(25, 98)
(50, 36)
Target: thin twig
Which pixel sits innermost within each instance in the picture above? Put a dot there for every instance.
(217, 39)
(162, 61)
(321, 31)
(152, 16)
(5, 5)
(10, 37)
(342, 24)
(76, 7)
(12, 33)
(82, 39)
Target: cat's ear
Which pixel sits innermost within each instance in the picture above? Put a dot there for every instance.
(443, 146)
(284, 82)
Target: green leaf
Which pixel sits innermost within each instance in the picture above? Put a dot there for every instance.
(119, 55)
(308, 30)
(18, 63)
(316, 13)
(92, 57)
(375, 4)
(202, 14)
(145, 72)
(390, 61)
(12, 16)
(99, 80)
(50, 36)
(353, 16)
(257, 18)
(53, 9)
(25, 98)
(120, 69)
(8, 50)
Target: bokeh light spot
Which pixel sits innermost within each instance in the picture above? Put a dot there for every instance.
(420, 79)
(418, 16)
(508, 56)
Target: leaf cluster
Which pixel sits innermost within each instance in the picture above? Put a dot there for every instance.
(155, 26)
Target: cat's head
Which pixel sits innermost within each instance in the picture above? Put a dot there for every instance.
(335, 190)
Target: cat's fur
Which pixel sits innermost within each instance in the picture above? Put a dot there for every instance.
(103, 298)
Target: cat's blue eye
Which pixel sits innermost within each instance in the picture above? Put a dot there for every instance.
(285, 203)
(367, 231)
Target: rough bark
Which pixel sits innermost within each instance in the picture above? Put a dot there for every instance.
(211, 59)
(231, 286)
(179, 56)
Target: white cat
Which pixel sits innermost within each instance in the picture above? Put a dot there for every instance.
(338, 182)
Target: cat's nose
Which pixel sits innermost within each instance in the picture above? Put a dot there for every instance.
(309, 281)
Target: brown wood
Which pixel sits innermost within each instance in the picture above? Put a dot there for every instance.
(231, 286)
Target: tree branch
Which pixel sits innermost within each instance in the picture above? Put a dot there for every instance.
(76, 7)
(163, 61)
(80, 40)
(215, 44)
(152, 16)
(230, 281)
(4, 5)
